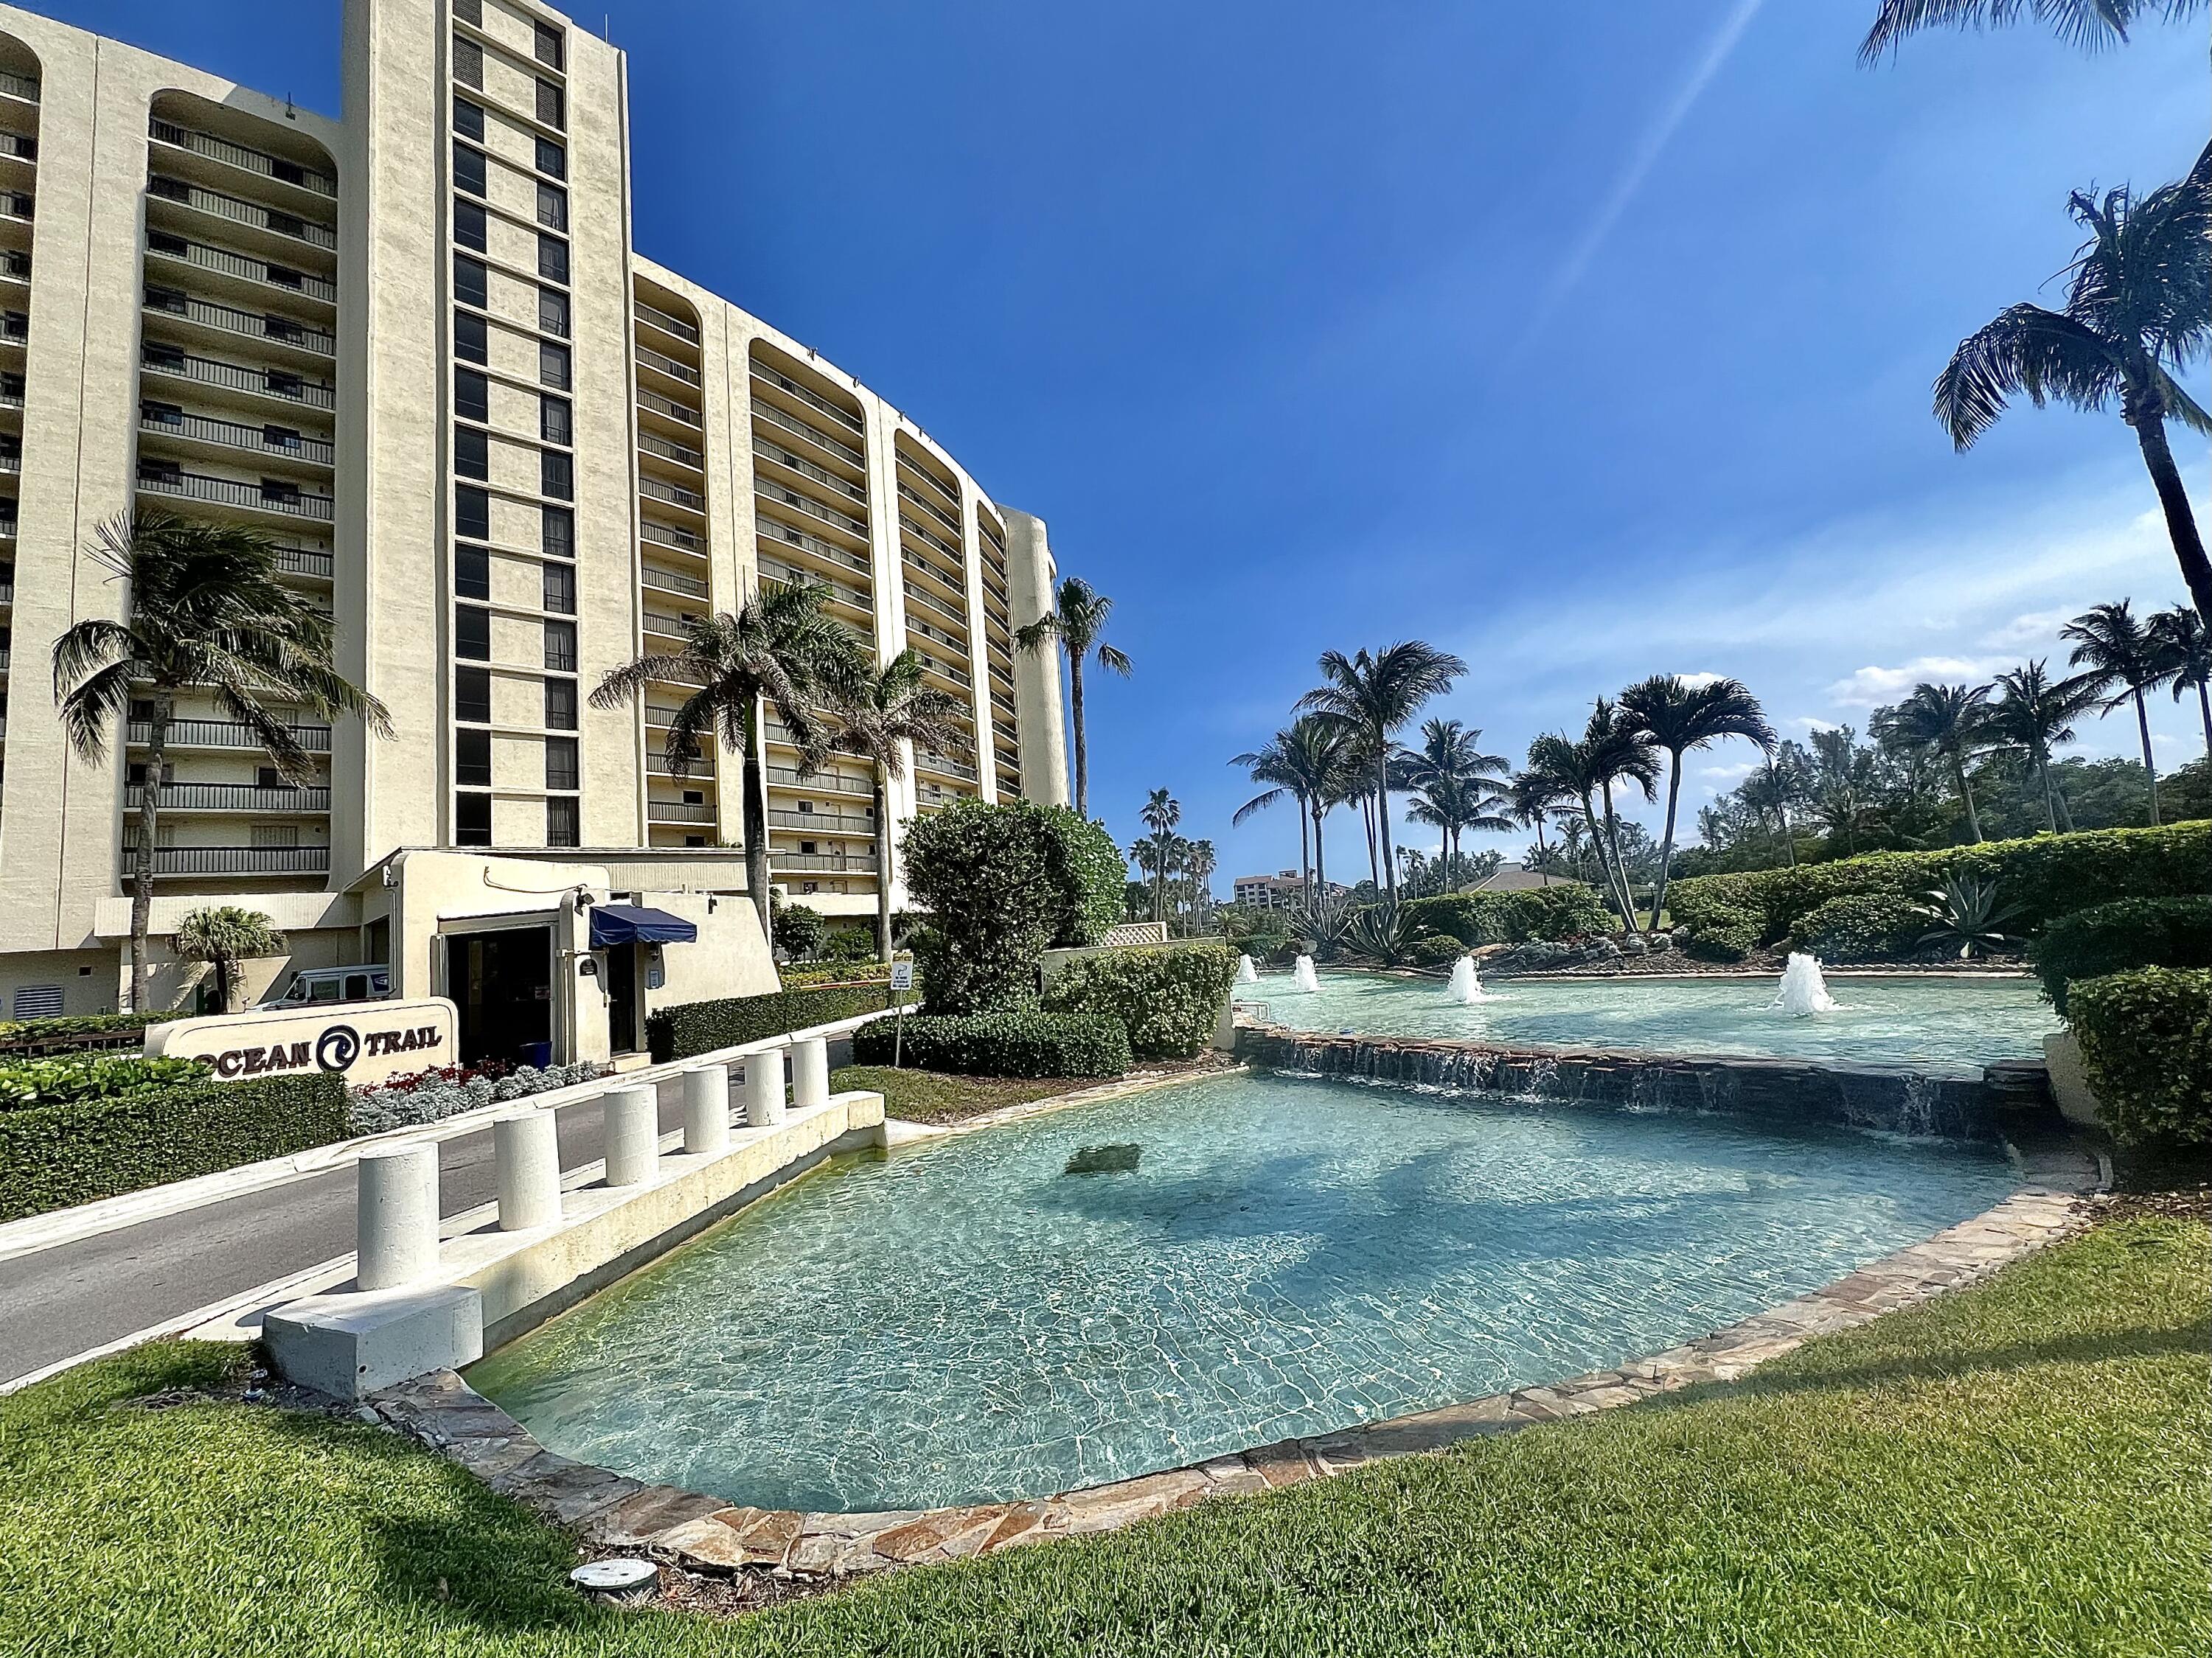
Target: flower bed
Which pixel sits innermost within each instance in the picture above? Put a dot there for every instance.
(448, 1091)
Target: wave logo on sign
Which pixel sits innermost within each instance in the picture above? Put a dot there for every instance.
(336, 1048)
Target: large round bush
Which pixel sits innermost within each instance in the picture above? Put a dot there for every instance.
(1866, 926)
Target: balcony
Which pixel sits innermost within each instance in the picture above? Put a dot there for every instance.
(275, 220)
(764, 450)
(699, 768)
(930, 664)
(223, 734)
(18, 204)
(234, 860)
(667, 324)
(766, 414)
(673, 581)
(668, 449)
(223, 262)
(925, 761)
(19, 86)
(677, 812)
(253, 325)
(667, 408)
(921, 629)
(304, 561)
(231, 434)
(236, 377)
(229, 492)
(908, 492)
(23, 147)
(827, 823)
(916, 596)
(774, 570)
(653, 490)
(232, 797)
(238, 155)
(661, 363)
(667, 535)
(775, 531)
(821, 782)
(768, 490)
(812, 399)
(675, 628)
(846, 863)
(931, 538)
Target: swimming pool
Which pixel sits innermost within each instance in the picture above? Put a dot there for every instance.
(966, 1320)
(1954, 1023)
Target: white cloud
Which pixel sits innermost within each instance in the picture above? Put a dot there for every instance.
(2037, 627)
(1734, 774)
(1870, 686)
(1700, 678)
(1812, 722)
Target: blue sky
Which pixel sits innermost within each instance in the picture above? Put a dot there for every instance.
(1589, 342)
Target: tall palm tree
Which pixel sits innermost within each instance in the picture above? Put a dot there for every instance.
(1278, 767)
(1199, 864)
(2140, 306)
(1950, 722)
(1161, 813)
(2124, 657)
(1617, 749)
(877, 714)
(2035, 714)
(1458, 786)
(1078, 616)
(1372, 697)
(1678, 717)
(208, 612)
(782, 649)
(1586, 770)
(1532, 797)
(2086, 23)
(2186, 644)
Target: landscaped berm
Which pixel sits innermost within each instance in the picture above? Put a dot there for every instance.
(2017, 1468)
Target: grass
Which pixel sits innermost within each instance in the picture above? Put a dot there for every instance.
(2019, 1469)
(935, 1096)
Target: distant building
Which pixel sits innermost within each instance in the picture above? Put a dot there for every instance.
(1511, 877)
(1284, 891)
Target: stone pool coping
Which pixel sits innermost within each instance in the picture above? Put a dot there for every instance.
(612, 1513)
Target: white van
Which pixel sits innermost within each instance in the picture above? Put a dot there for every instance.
(323, 987)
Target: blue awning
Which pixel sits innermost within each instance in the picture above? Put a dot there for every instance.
(623, 924)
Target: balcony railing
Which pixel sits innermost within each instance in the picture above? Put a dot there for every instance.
(667, 535)
(669, 407)
(916, 596)
(6, 658)
(820, 783)
(934, 571)
(766, 414)
(790, 575)
(231, 434)
(829, 823)
(656, 765)
(775, 530)
(304, 561)
(667, 324)
(908, 492)
(19, 86)
(847, 863)
(677, 812)
(23, 147)
(223, 734)
(945, 766)
(931, 630)
(812, 399)
(254, 325)
(667, 449)
(653, 490)
(228, 492)
(253, 160)
(11, 460)
(957, 675)
(261, 382)
(668, 626)
(909, 524)
(234, 860)
(783, 495)
(232, 797)
(673, 581)
(238, 264)
(661, 362)
(783, 457)
(7, 526)
(275, 220)
(18, 204)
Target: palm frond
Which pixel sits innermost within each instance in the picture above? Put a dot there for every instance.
(2027, 350)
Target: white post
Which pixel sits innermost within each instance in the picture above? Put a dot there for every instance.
(527, 1148)
(633, 1125)
(810, 1073)
(764, 1088)
(396, 1215)
(707, 1111)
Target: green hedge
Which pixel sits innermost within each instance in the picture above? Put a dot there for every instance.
(2113, 938)
(1442, 950)
(22, 1034)
(2146, 1041)
(1570, 910)
(1862, 926)
(2048, 876)
(65, 1077)
(692, 1027)
(52, 1156)
(1023, 1044)
(1723, 934)
(1169, 999)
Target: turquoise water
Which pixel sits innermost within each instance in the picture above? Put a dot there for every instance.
(1951, 1023)
(964, 1319)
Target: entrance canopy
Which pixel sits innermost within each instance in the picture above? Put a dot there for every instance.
(623, 924)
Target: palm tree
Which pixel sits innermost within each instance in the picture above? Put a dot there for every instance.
(1199, 864)
(2036, 715)
(1161, 813)
(782, 649)
(876, 715)
(2186, 644)
(1304, 762)
(1457, 784)
(1678, 717)
(1077, 618)
(208, 612)
(222, 935)
(1616, 750)
(1582, 771)
(2086, 23)
(1949, 722)
(1372, 697)
(1532, 797)
(2139, 307)
(2124, 659)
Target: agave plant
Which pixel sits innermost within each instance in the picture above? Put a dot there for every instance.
(1320, 925)
(1382, 932)
(1966, 914)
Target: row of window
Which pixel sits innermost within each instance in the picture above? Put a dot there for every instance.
(557, 536)
(550, 105)
(473, 230)
(471, 169)
(557, 469)
(472, 639)
(472, 699)
(472, 821)
(472, 761)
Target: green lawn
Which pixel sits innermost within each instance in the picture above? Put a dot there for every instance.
(933, 1096)
(2021, 1469)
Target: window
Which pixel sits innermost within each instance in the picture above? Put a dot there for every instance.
(548, 45)
(564, 826)
(265, 777)
(472, 571)
(551, 106)
(469, 225)
(554, 423)
(468, 119)
(471, 282)
(552, 206)
(469, 169)
(560, 771)
(136, 773)
(695, 797)
(561, 589)
(472, 395)
(471, 343)
(472, 820)
(553, 364)
(470, 12)
(471, 452)
(472, 759)
(472, 633)
(561, 705)
(552, 160)
(561, 647)
(552, 258)
(472, 514)
(557, 539)
(557, 475)
(468, 63)
(472, 695)
(553, 312)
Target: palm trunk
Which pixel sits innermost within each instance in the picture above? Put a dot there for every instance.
(2150, 769)
(1620, 864)
(142, 862)
(1082, 752)
(1305, 855)
(1543, 856)
(1382, 818)
(2204, 709)
(1604, 863)
(2180, 524)
(1667, 842)
(1367, 821)
(1320, 873)
(883, 868)
(756, 822)
(1966, 795)
(223, 971)
(2050, 801)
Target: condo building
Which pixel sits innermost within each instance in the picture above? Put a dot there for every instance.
(507, 454)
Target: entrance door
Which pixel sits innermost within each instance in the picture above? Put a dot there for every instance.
(502, 983)
(622, 998)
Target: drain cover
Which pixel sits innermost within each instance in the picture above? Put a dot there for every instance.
(623, 1577)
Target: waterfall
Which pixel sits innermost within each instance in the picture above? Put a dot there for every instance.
(1465, 986)
(1803, 990)
(1246, 973)
(1306, 981)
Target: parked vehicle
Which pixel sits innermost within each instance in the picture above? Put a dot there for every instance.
(325, 986)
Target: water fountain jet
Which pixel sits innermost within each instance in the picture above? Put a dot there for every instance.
(1246, 973)
(1304, 976)
(1465, 986)
(1804, 992)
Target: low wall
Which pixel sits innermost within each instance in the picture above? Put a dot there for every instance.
(1899, 1098)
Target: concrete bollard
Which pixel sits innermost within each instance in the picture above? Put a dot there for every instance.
(810, 1073)
(396, 1215)
(764, 1088)
(707, 1111)
(633, 1122)
(527, 1149)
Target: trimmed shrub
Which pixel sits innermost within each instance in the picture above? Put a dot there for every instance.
(1861, 926)
(797, 929)
(1723, 935)
(1087, 873)
(52, 1156)
(692, 1027)
(2146, 1041)
(2113, 938)
(69, 1077)
(17, 1035)
(1023, 1044)
(1167, 998)
(1554, 915)
(1439, 951)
